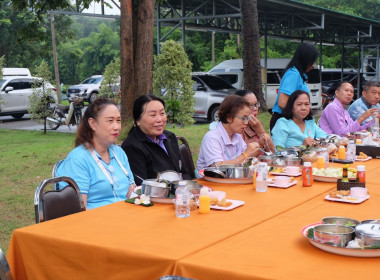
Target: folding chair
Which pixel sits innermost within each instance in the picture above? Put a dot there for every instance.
(186, 156)
(54, 173)
(5, 272)
(57, 203)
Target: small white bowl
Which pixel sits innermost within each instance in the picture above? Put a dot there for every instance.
(218, 194)
(358, 192)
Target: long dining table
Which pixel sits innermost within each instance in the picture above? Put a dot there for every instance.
(260, 240)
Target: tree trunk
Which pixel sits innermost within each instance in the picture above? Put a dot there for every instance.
(251, 49)
(136, 53)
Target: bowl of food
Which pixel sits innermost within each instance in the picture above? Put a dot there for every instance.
(193, 187)
(368, 234)
(234, 171)
(333, 235)
(341, 221)
(153, 188)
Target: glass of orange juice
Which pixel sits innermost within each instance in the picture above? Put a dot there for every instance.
(321, 162)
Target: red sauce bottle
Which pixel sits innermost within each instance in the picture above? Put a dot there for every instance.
(360, 173)
(307, 174)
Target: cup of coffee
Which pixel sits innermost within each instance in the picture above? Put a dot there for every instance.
(292, 170)
(281, 180)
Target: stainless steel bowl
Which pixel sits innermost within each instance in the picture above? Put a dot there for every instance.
(193, 187)
(292, 161)
(267, 159)
(374, 221)
(278, 161)
(369, 234)
(236, 171)
(334, 235)
(155, 189)
(341, 221)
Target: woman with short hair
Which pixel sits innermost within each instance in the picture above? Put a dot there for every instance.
(99, 167)
(151, 148)
(225, 145)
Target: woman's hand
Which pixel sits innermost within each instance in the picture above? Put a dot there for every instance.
(252, 150)
(309, 141)
(256, 125)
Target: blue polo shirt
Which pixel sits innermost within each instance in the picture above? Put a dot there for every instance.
(81, 166)
(290, 82)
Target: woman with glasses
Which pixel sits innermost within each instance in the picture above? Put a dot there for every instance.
(151, 148)
(99, 167)
(297, 126)
(224, 144)
(254, 132)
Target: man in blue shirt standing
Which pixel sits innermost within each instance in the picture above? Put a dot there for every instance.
(370, 99)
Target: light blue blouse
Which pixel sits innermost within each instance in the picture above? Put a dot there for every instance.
(287, 133)
(81, 166)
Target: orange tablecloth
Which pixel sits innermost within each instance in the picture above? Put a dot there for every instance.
(122, 240)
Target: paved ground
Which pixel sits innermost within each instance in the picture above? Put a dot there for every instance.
(25, 123)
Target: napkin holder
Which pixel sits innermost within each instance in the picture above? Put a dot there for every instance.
(346, 186)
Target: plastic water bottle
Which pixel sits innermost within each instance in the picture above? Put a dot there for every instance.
(351, 151)
(262, 176)
(182, 201)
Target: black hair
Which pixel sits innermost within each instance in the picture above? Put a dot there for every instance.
(85, 133)
(287, 113)
(243, 92)
(370, 84)
(230, 106)
(304, 56)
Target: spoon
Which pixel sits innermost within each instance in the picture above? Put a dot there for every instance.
(265, 152)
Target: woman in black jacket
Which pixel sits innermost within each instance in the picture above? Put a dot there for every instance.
(150, 148)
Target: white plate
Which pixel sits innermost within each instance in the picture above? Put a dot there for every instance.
(351, 199)
(285, 174)
(229, 181)
(362, 159)
(271, 184)
(364, 253)
(235, 203)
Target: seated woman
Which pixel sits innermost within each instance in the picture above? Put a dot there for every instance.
(336, 120)
(149, 147)
(99, 167)
(254, 132)
(297, 126)
(225, 145)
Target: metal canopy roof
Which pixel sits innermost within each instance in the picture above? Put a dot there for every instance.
(278, 18)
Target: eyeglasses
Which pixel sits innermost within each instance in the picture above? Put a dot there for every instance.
(244, 119)
(254, 106)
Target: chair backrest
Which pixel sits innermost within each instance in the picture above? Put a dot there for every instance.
(54, 174)
(187, 158)
(5, 272)
(57, 203)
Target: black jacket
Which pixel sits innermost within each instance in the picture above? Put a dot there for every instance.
(146, 158)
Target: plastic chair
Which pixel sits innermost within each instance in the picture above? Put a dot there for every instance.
(5, 272)
(54, 174)
(57, 203)
(186, 156)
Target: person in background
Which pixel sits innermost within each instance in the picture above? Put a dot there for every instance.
(336, 120)
(149, 147)
(297, 126)
(370, 99)
(254, 132)
(225, 145)
(294, 78)
(99, 167)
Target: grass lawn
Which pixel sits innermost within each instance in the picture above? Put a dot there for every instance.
(28, 157)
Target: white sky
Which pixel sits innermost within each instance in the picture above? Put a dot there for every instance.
(96, 8)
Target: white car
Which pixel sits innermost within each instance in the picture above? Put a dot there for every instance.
(15, 92)
(89, 88)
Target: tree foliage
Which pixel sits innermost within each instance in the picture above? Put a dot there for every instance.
(41, 96)
(111, 80)
(172, 80)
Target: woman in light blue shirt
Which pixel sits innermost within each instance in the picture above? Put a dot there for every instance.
(97, 165)
(294, 78)
(297, 126)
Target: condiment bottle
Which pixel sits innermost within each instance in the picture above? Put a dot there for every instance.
(341, 153)
(360, 174)
(345, 173)
(307, 174)
(204, 201)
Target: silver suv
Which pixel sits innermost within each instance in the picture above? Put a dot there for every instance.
(15, 92)
(88, 89)
(210, 91)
